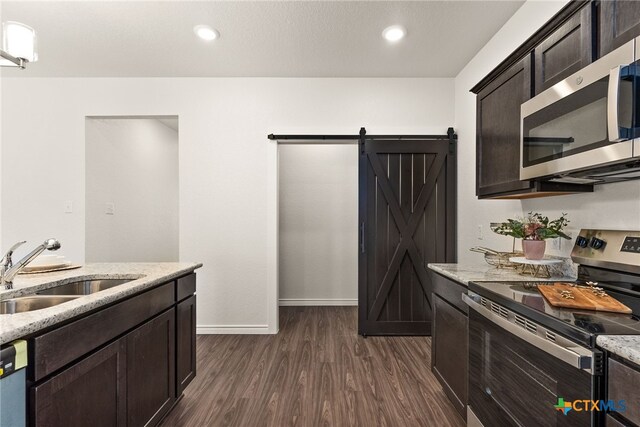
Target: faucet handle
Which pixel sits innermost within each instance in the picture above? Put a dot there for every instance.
(6, 259)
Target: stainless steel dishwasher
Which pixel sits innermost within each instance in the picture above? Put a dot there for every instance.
(13, 393)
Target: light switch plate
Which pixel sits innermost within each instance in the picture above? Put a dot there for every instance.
(110, 208)
(68, 206)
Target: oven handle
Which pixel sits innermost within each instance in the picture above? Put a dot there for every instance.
(578, 357)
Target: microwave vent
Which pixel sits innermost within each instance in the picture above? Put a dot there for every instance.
(575, 180)
(625, 174)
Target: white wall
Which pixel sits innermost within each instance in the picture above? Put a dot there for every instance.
(133, 164)
(318, 192)
(610, 206)
(223, 161)
(471, 211)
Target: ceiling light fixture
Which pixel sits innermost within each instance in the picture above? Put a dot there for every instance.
(394, 33)
(18, 45)
(205, 32)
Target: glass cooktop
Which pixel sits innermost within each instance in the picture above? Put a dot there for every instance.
(582, 325)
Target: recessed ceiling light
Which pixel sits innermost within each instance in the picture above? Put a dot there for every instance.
(205, 32)
(394, 33)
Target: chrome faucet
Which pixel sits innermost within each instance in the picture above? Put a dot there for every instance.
(8, 271)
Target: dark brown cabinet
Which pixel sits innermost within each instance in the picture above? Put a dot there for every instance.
(619, 22)
(449, 341)
(612, 422)
(123, 365)
(90, 392)
(623, 383)
(185, 343)
(568, 49)
(151, 370)
(498, 131)
(561, 47)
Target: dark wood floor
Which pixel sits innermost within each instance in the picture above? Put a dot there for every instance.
(316, 371)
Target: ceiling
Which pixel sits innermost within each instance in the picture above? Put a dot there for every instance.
(258, 39)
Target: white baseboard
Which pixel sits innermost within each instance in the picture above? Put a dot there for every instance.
(232, 329)
(286, 302)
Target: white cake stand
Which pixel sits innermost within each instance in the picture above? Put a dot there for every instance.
(534, 267)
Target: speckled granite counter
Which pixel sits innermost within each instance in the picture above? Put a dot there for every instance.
(625, 346)
(143, 275)
(465, 273)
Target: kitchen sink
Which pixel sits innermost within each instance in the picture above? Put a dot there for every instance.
(84, 287)
(31, 303)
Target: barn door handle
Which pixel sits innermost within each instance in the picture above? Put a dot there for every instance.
(362, 237)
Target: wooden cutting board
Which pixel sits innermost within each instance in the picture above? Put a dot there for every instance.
(583, 298)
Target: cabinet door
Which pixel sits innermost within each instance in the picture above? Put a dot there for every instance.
(498, 131)
(449, 352)
(565, 51)
(619, 23)
(624, 384)
(185, 343)
(151, 370)
(91, 392)
(612, 422)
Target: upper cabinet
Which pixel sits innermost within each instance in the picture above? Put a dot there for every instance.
(619, 22)
(565, 44)
(498, 131)
(568, 49)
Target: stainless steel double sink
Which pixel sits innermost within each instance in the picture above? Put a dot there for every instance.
(58, 294)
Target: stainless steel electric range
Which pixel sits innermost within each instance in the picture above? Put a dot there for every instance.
(525, 354)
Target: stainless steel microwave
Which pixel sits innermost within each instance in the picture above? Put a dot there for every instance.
(577, 129)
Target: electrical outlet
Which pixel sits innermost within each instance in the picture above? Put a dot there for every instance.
(556, 244)
(110, 208)
(480, 235)
(68, 206)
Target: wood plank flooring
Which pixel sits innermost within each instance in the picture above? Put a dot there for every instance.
(315, 372)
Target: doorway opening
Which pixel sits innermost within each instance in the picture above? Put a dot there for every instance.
(318, 224)
(131, 189)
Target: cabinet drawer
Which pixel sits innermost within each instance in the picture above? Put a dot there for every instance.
(55, 349)
(185, 286)
(450, 291)
(624, 384)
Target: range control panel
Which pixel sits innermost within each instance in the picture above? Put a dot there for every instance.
(613, 249)
(631, 244)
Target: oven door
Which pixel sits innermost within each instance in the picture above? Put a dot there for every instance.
(518, 379)
(584, 121)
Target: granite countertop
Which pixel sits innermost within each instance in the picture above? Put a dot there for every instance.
(465, 273)
(625, 346)
(143, 275)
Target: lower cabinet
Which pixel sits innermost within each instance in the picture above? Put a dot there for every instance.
(151, 370)
(186, 343)
(449, 341)
(91, 392)
(130, 382)
(140, 359)
(623, 384)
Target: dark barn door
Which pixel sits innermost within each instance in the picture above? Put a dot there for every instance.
(407, 219)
